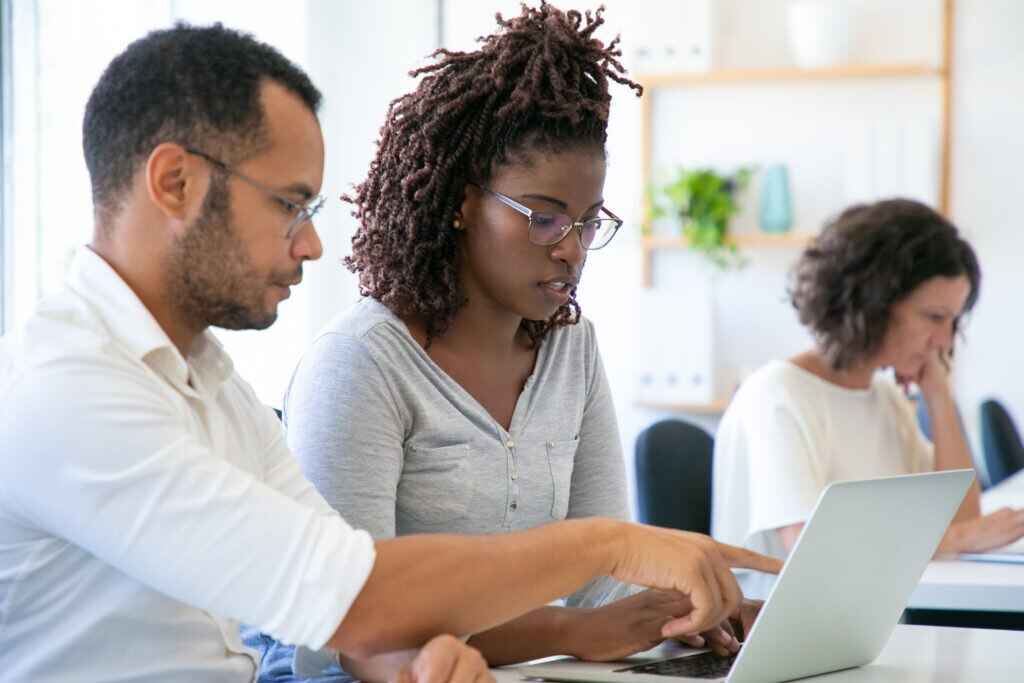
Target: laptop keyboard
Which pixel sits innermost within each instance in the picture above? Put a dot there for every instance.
(705, 665)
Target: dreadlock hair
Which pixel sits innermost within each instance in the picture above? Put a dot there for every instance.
(539, 84)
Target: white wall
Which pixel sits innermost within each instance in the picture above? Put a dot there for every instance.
(358, 54)
(988, 186)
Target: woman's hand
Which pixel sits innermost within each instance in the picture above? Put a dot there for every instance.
(743, 619)
(726, 639)
(634, 624)
(624, 627)
(983, 533)
(932, 377)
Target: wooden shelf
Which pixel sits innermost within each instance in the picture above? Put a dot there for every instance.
(941, 72)
(743, 239)
(851, 71)
(651, 243)
(715, 407)
(772, 239)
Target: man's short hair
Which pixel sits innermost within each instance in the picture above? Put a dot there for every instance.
(196, 86)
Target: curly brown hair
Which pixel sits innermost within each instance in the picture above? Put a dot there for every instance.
(539, 84)
(864, 262)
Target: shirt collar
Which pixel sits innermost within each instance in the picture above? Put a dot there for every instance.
(131, 324)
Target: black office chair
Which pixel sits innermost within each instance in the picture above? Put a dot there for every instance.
(673, 476)
(1004, 453)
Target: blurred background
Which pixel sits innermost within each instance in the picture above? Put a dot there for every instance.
(816, 103)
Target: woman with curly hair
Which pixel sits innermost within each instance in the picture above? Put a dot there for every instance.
(883, 286)
(464, 393)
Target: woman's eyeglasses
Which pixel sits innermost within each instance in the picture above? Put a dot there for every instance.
(546, 229)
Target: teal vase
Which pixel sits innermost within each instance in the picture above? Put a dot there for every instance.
(776, 207)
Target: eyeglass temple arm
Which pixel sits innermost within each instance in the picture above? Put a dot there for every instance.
(507, 201)
(610, 214)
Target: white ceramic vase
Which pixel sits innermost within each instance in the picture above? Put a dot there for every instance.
(821, 32)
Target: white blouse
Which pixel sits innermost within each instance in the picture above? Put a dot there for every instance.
(786, 435)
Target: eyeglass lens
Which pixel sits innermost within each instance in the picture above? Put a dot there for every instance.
(303, 215)
(549, 228)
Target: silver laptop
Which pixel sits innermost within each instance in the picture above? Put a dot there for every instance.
(836, 601)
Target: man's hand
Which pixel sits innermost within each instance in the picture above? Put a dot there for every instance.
(691, 564)
(446, 659)
(440, 592)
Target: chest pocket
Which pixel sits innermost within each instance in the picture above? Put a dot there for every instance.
(561, 456)
(434, 487)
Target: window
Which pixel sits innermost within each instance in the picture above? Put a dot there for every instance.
(17, 240)
(5, 175)
(54, 52)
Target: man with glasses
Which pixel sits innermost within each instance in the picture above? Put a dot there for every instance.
(147, 499)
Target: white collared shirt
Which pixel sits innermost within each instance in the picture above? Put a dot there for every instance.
(147, 502)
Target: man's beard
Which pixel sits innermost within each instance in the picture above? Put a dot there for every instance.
(208, 276)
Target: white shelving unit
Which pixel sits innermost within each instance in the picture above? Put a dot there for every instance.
(669, 101)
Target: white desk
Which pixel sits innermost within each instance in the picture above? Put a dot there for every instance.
(963, 585)
(1008, 493)
(925, 654)
(977, 586)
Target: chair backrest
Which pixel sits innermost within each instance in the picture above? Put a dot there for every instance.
(924, 421)
(673, 476)
(1004, 453)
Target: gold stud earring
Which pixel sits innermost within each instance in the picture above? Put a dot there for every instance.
(457, 223)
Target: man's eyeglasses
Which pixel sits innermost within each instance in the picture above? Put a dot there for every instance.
(300, 213)
(546, 229)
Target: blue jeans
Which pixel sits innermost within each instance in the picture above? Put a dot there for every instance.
(276, 660)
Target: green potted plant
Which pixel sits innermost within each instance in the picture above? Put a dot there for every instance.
(705, 202)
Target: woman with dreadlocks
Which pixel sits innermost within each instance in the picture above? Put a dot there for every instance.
(464, 393)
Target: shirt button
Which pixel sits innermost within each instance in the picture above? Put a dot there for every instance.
(515, 475)
(551, 444)
(466, 446)
(510, 443)
(513, 506)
